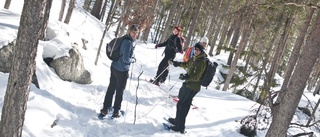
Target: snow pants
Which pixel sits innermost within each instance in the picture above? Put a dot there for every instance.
(183, 106)
(118, 82)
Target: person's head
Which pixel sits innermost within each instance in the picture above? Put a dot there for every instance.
(204, 42)
(198, 49)
(177, 30)
(134, 31)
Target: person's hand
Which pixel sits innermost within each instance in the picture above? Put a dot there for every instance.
(183, 76)
(175, 63)
(181, 51)
(215, 64)
(156, 46)
(133, 60)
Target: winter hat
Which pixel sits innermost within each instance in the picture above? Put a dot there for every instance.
(199, 47)
(204, 39)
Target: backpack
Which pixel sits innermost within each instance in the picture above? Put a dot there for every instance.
(182, 40)
(208, 74)
(113, 48)
(187, 54)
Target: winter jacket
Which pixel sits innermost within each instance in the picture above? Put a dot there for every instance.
(126, 52)
(173, 45)
(196, 67)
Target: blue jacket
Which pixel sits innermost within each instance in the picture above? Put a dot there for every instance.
(126, 53)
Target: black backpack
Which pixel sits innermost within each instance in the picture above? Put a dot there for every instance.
(208, 74)
(113, 48)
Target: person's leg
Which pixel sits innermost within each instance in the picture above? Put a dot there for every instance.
(161, 67)
(165, 68)
(110, 91)
(185, 101)
(121, 85)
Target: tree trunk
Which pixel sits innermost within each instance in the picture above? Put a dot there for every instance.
(193, 23)
(111, 10)
(7, 4)
(148, 30)
(96, 9)
(103, 10)
(317, 89)
(63, 5)
(24, 54)
(277, 56)
(296, 50)
(243, 40)
(267, 54)
(229, 36)
(279, 51)
(222, 40)
(292, 95)
(217, 31)
(124, 17)
(86, 5)
(168, 21)
(314, 76)
(257, 34)
(235, 39)
(178, 17)
(160, 19)
(70, 10)
(104, 33)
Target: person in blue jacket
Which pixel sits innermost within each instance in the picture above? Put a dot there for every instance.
(119, 74)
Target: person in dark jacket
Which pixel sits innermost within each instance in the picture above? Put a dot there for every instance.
(173, 45)
(119, 74)
(191, 86)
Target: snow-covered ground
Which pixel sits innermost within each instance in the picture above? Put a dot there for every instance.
(75, 106)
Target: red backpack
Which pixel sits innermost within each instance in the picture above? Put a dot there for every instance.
(187, 54)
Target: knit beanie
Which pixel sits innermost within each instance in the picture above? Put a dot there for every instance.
(199, 47)
(204, 39)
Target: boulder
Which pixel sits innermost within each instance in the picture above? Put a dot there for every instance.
(71, 68)
(6, 57)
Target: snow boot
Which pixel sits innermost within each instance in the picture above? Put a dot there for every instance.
(116, 114)
(103, 113)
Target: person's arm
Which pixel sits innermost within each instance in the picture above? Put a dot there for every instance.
(164, 43)
(179, 45)
(125, 51)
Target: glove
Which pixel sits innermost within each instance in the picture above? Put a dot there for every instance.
(156, 46)
(215, 64)
(175, 63)
(183, 76)
(181, 51)
(133, 60)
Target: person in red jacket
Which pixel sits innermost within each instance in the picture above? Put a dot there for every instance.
(173, 45)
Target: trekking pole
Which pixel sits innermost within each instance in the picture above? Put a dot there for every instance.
(156, 55)
(160, 74)
(135, 107)
(129, 89)
(160, 100)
